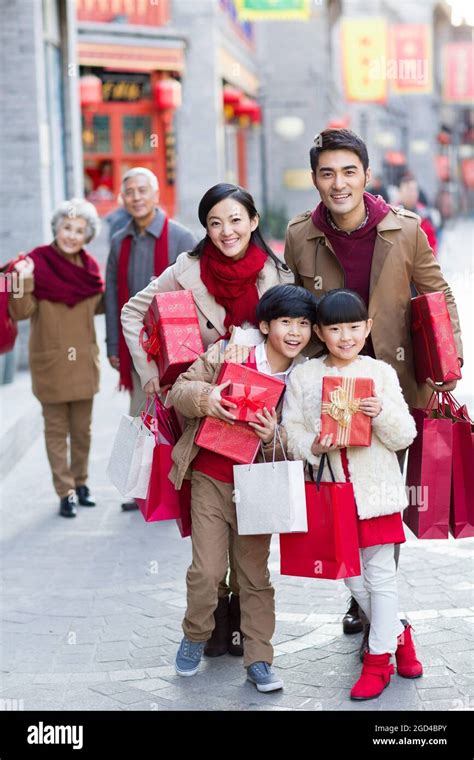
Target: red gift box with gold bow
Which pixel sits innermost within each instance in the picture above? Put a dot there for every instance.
(434, 347)
(340, 413)
(173, 334)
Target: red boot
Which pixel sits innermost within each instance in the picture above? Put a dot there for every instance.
(407, 664)
(375, 676)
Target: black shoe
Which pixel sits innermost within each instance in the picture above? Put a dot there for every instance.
(351, 622)
(364, 646)
(129, 506)
(83, 494)
(235, 647)
(68, 506)
(218, 643)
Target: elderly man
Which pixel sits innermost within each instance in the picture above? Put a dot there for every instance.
(355, 240)
(140, 251)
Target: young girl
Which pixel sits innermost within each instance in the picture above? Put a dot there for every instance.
(342, 324)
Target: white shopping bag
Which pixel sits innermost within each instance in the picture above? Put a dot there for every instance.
(131, 447)
(270, 497)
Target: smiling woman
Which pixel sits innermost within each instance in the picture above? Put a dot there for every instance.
(62, 290)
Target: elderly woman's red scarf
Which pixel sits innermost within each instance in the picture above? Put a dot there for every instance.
(233, 283)
(59, 280)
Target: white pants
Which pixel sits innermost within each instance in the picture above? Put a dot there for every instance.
(376, 592)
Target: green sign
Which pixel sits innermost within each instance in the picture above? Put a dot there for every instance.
(253, 10)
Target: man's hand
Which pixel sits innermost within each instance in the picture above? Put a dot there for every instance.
(371, 406)
(267, 426)
(323, 446)
(114, 362)
(442, 387)
(216, 404)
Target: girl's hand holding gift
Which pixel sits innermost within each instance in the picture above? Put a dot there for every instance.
(268, 424)
(371, 406)
(324, 445)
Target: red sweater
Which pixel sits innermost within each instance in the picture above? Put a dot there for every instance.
(354, 251)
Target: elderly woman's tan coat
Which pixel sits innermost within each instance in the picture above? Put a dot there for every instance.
(185, 274)
(64, 355)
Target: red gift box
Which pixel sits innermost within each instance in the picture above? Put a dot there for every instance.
(250, 390)
(434, 347)
(339, 410)
(238, 441)
(174, 337)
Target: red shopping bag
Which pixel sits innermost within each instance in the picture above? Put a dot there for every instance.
(8, 326)
(429, 473)
(461, 518)
(162, 500)
(330, 548)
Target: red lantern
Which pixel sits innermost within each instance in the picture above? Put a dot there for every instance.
(167, 94)
(231, 95)
(90, 89)
(247, 110)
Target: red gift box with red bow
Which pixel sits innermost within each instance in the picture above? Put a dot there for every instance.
(174, 337)
(250, 390)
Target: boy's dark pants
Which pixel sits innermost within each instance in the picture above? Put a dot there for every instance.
(214, 530)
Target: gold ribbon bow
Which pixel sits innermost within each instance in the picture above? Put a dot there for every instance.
(341, 406)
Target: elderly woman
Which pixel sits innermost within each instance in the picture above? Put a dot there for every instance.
(62, 290)
(228, 271)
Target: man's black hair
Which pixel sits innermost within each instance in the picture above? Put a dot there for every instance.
(338, 139)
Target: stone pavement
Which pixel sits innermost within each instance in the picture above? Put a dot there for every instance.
(91, 608)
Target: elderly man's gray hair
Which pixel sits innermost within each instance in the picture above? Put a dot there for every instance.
(74, 209)
(136, 172)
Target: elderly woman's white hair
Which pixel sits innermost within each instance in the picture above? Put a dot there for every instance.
(136, 172)
(74, 209)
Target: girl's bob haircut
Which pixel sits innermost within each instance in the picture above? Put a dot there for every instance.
(339, 306)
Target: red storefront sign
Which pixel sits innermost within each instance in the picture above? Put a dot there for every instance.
(458, 73)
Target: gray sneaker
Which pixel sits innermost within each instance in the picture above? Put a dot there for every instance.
(263, 676)
(188, 657)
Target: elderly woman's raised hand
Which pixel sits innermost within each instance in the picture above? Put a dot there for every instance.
(25, 266)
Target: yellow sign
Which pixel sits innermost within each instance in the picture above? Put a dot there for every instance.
(254, 10)
(364, 49)
(298, 179)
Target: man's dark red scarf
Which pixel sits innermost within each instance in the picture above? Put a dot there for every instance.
(160, 262)
(233, 283)
(59, 280)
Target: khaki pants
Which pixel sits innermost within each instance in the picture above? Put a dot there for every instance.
(214, 531)
(71, 419)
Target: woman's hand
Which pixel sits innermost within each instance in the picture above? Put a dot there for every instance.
(25, 266)
(323, 446)
(267, 426)
(371, 406)
(153, 387)
(114, 362)
(216, 404)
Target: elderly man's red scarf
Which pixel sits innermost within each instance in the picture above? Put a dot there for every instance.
(233, 283)
(160, 263)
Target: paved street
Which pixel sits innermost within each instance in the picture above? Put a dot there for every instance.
(92, 607)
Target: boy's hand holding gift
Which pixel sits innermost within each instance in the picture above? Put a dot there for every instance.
(217, 405)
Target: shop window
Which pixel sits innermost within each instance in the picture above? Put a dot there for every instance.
(96, 134)
(137, 134)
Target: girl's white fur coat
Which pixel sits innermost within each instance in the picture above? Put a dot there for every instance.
(374, 470)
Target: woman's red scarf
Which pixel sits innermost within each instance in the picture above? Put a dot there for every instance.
(60, 280)
(233, 283)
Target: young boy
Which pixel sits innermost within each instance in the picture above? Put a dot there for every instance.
(286, 315)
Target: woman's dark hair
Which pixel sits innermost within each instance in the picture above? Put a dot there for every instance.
(219, 193)
(341, 305)
(287, 301)
(338, 139)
